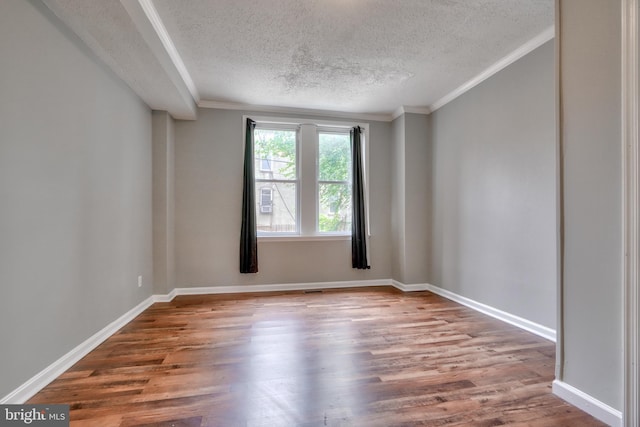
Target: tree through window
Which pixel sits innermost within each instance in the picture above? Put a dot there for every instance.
(276, 180)
(334, 182)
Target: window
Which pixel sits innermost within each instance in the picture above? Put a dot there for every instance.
(277, 186)
(303, 177)
(266, 200)
(334, 182)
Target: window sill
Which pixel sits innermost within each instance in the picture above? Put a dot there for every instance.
(299, 238)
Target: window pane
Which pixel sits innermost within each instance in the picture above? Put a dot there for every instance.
(275, 154)
(276, 207)
(334, 157)
(266, 200)
(334, 214)
(265, 164)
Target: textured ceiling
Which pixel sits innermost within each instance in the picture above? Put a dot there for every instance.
(357, 56)
(345, 55)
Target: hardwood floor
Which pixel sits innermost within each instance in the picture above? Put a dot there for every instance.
(358, 357)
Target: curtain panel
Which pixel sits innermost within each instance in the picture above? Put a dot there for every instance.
(359, 255)
(248, 232)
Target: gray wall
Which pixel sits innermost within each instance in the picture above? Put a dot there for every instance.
(163, 160)
(411, 198)
(418, 198)
(75, 186)
(592, 176)
(494, 191)
(398, 199)
(208, 159)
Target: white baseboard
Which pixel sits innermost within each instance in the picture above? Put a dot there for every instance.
(587, 403)
(413, 287)
(514, 320)
(57, 368)
(239, 289)
(165, 298)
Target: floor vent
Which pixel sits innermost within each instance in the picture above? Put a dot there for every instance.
(313, 291)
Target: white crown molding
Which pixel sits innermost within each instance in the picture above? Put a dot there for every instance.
(291, 110)
(416, 110)
(527, 325)
(587, 403)
(526, 48)
(631, 173)
(397, 113)
(152, 14)
(57, 368)
(412, 110)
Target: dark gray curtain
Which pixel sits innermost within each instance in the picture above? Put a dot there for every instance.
(248, 233)
(359, 258)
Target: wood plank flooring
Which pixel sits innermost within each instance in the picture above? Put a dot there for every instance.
(358, 357)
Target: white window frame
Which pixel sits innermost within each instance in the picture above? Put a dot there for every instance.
(307, 172)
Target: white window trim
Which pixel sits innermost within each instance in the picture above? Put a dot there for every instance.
(307, 233)
(286, 237)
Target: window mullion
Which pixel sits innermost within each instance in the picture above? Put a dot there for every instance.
(335, 182)
(285, 181)
(308, 144)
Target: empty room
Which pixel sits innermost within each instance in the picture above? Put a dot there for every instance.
(319, 213)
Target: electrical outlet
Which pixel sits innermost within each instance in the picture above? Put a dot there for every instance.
(139, 281)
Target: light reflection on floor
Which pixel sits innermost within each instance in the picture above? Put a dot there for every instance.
(282, 383)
